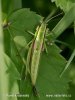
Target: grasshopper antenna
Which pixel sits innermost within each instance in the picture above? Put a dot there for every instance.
(49, 18)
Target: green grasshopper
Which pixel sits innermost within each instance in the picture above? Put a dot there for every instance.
(33, 57)
(34, 53)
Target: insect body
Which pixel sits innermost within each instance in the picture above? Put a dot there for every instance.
(36, 52)
(33, 57)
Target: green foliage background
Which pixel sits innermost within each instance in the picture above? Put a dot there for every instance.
(16, 38)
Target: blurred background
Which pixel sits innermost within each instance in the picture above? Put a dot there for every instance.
(66, 41)
(44, 8)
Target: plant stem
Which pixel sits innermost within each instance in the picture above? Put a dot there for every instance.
(3, 75)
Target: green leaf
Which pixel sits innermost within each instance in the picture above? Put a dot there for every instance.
(64, 23)
(69, 62)
(11, 68)
(48, 81)
(3, 75)
(65, 5)
(13, 76)
(51, 64)
(22, 21)
(72, 73)
(20, 40)
(72, 91)
(9, 6)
